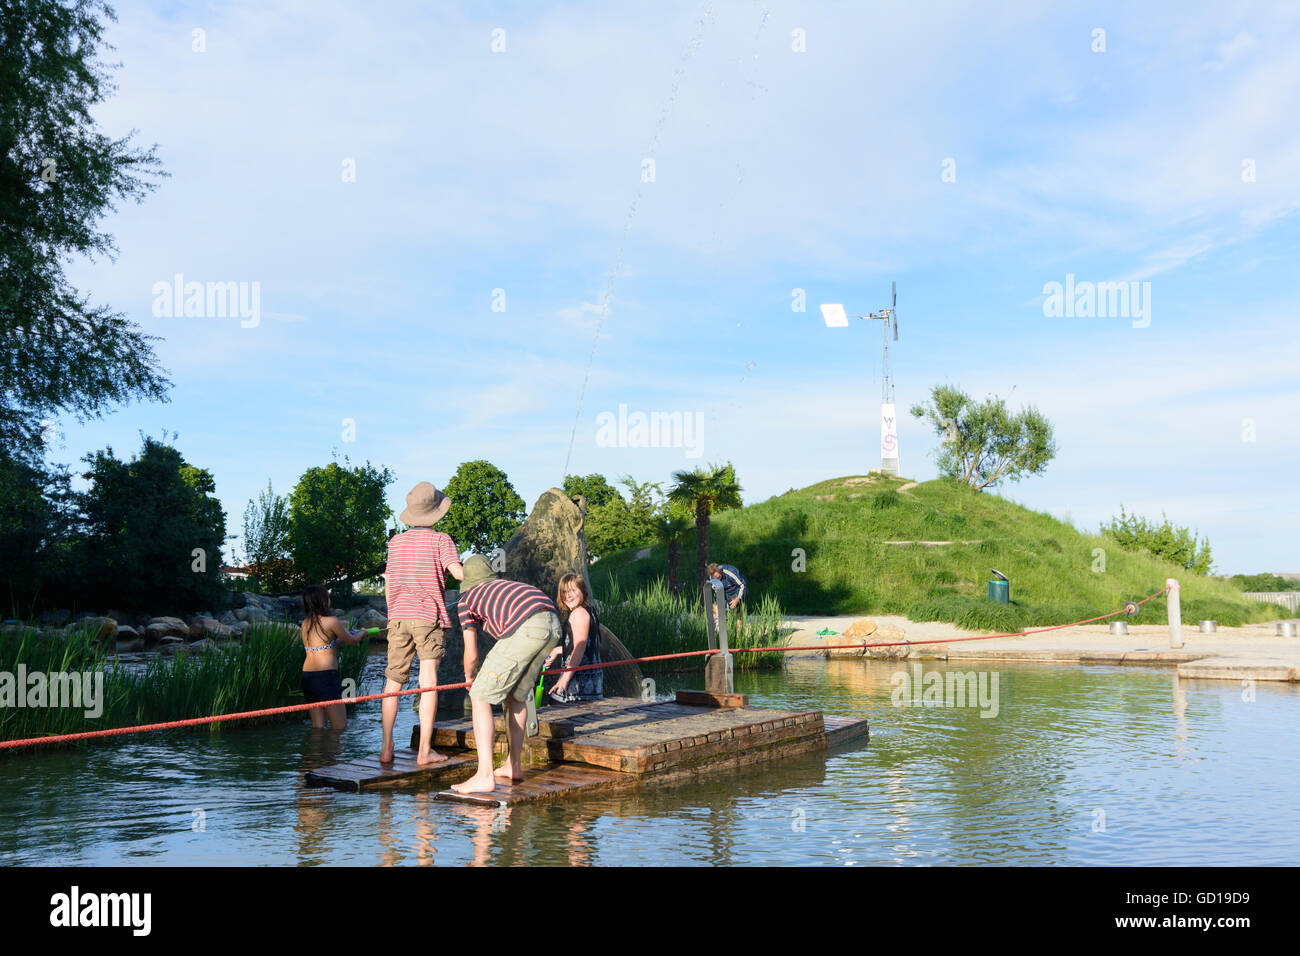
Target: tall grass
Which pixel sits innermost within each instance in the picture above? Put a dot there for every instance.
(261, 670)
(652, 621)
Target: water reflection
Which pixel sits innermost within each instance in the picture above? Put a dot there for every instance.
(1096, 765)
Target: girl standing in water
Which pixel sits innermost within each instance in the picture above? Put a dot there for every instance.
(581, 644)
(321, 633)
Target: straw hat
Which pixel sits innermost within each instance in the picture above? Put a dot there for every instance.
(477, 570)
(425, 506)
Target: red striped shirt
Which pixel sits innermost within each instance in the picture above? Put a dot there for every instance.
(416, 575)
(499, 606)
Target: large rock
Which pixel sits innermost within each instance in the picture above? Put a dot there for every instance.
(100, 628)
(228, 618)
(551, 543)
(161, 627)
(289, 604)
(252, 615)
(370, 618)
(209, 627)
(378, 602)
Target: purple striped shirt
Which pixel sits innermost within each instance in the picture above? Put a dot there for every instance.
(500, 606)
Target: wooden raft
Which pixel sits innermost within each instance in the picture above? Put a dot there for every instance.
(611, 744)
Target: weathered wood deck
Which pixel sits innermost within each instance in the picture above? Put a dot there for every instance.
(613, 743)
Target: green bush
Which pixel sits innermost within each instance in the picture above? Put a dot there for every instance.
(1167, 542)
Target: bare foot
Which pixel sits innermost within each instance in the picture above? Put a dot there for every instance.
(386, 753)
(475, 784)
(504, 773)
(431, 757)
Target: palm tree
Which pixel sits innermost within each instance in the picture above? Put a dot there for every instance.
(706, 490)
(671, 525)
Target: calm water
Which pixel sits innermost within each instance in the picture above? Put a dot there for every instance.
(1081, 765)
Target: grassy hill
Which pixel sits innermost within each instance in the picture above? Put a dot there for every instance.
(842, 526)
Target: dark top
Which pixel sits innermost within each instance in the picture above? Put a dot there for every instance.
(583, 685)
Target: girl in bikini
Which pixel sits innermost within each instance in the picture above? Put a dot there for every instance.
(320, 669)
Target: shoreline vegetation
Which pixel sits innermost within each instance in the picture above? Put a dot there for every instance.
(260, 670)
(653, 621)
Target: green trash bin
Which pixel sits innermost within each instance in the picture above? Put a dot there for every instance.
(1000, 591)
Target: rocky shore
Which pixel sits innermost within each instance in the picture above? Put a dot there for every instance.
(133, 632)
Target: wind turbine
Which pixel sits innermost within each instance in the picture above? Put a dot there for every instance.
(836, 318)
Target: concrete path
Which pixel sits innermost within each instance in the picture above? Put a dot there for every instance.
(1233, 653)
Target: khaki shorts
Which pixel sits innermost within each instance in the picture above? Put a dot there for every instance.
(408, 638)
(512, 667)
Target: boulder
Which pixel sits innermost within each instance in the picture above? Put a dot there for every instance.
(125, 632)
(228, 618)
(169, 640)
(130, 646)
(120, 616)
(100, 628)
(209, 627)
(378, 602)
(885, 635)
(370, 618)
(289, 604)
(204, 645)
(252, 615)
(551, 543)
(237, 630)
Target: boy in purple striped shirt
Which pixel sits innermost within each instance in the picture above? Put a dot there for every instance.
(527, 629)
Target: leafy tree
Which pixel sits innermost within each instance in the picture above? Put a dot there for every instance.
(266, 541)
(592, 487)
(621, 522)
(155, 531)
(37, 523)
(337, 520)
(1165, 541)
(983, 442)
(485, 509)
(705, 491)
(59, 175)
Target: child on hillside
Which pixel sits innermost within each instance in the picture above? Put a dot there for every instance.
(414, 584)
(321, 633)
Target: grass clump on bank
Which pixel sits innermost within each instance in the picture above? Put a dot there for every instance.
(261, 670)
(824, 550)
(652, 621)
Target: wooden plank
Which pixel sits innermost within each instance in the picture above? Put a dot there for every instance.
(366, 772)
(545, 783)
(704, 698)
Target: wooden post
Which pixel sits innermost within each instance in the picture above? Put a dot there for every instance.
(719, 670)
(1175, 614)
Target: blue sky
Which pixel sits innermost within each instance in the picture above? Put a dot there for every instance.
(775, 170)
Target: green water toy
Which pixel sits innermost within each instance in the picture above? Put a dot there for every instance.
(826, 632)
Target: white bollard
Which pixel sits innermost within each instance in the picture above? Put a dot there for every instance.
(1175, 614)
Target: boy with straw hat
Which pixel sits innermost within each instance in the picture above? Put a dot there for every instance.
(527, 628)
(414, 580)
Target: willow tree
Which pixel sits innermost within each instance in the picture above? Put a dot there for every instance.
(705, 490)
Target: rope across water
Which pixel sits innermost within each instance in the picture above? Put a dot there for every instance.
(296, 708)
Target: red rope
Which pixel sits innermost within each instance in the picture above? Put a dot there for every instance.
(295, 708)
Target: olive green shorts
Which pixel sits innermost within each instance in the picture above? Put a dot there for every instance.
(512, 667)
(408, 638)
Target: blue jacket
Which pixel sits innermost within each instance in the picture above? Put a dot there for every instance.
(734, 584)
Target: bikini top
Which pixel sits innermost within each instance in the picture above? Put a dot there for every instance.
(325, 647)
